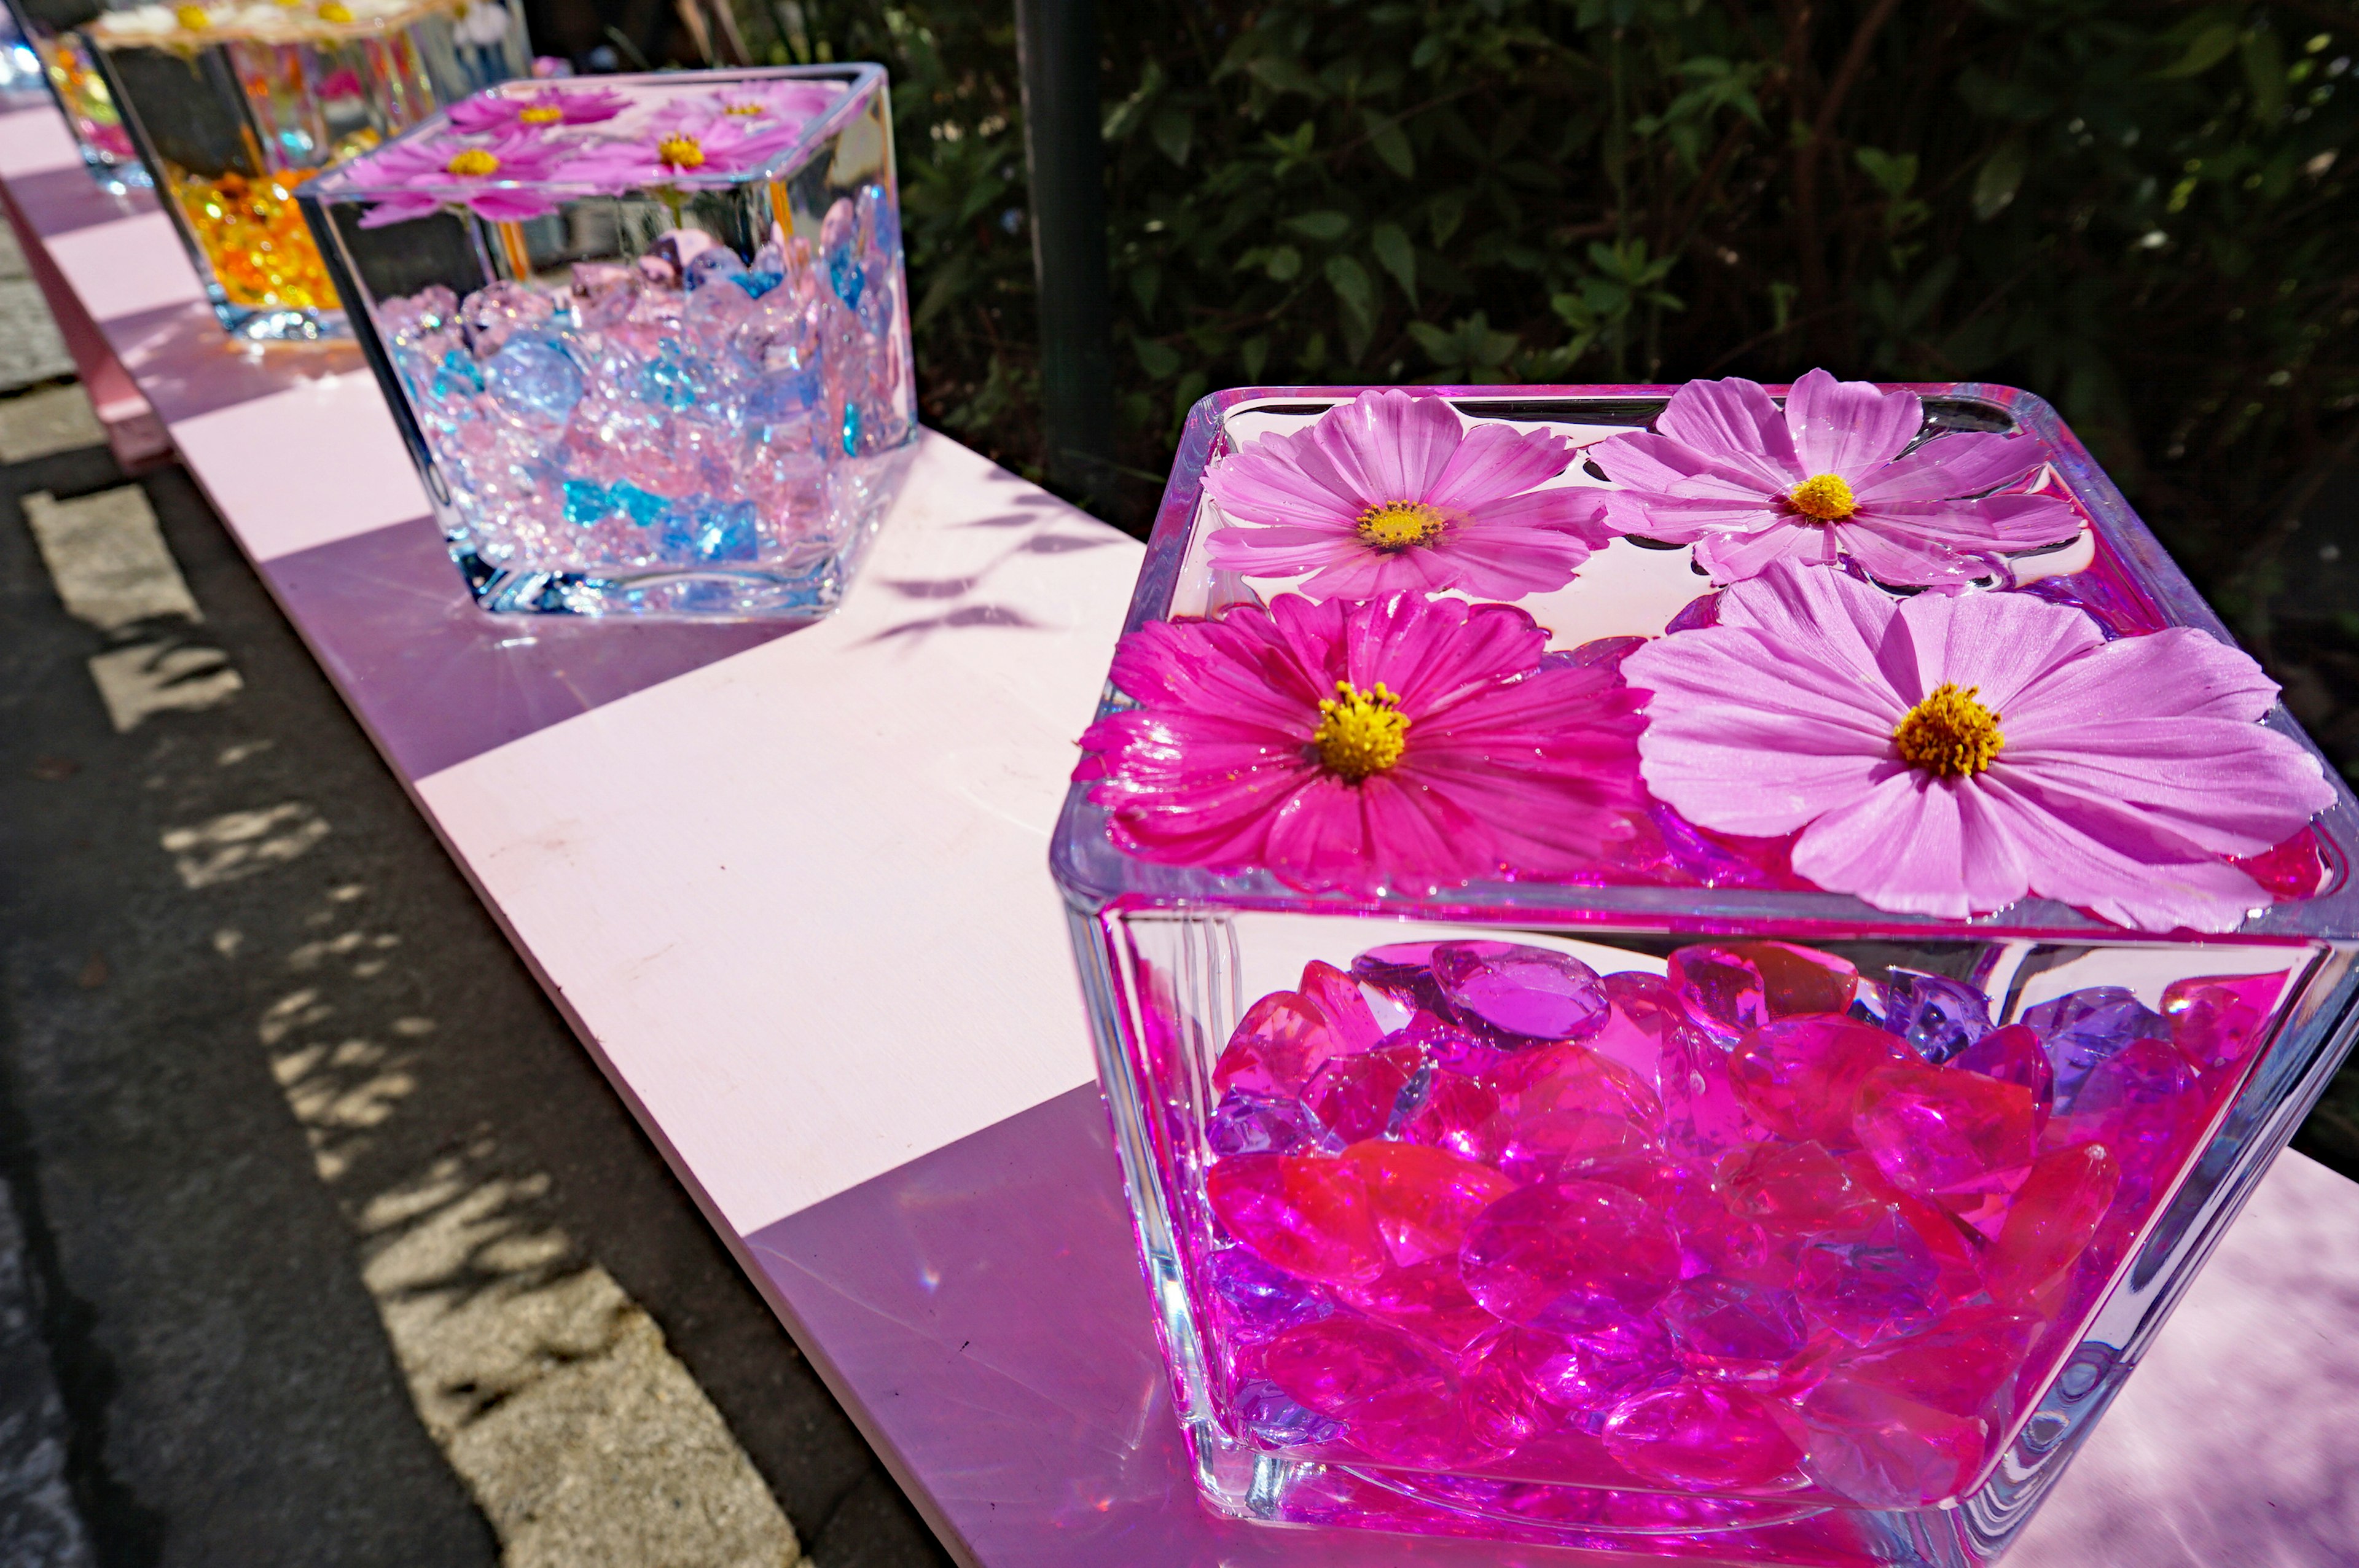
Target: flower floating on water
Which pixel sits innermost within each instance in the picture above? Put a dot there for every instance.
(1393, 491)
(790, 101)
(543, 109)
(691, 147)
(454, 171)
(1409, 743)
(1724, 470)
(1950, 752)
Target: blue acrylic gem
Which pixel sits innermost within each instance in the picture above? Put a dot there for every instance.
(586, 503)
(844, 275)
(1937, 1016)
(668, 380)
(2082, 1028)
(714, 533)
(707, 265)
(758, 283)
(457, 375)
(777, 397)
(638, 505)
(535, 380)
(851, 429)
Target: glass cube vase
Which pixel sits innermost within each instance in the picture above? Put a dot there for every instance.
(82, 93)
(235, 108)
(1631, 1213)
(684, 392)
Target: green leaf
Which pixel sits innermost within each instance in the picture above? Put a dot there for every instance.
(1326, 225)
(1397, 257)
(1895, 172)
(1440, 346)
(1998, 180)
(1390, 143)
(2206, 49)
(1255, 354)
(1284, 73)
(2265, 72)
(1159, 360)
(1285, 264)
(1146, 283)
(1172, 129)
(1352, 284)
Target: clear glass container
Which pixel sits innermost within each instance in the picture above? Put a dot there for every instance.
(235, 107)
(82, 97)
(1634, 1214)
(683, 392)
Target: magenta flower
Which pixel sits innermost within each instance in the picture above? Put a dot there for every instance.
(1392, 490)
(1948, 753)
(1725, 470)
(792, 101)
(689, 147)
(1409, 743)
(543, 109)
(480, 177)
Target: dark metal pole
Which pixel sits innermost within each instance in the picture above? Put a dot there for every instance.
(1056, 51)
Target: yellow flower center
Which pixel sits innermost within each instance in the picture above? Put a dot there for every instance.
(742, 108)
(473, 164)
(1950, 734)
(681, 152)
(540, 115)
(334, 13)
(193, 18)
(1401, 524)
(1825, 497)
(1360, 733)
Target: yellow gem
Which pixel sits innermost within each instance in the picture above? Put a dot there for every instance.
(1360, 733)
(193, 18)
(335, 12)
(1826, 497)
(681, 152)
(473, 164)
(1401, 524)
(1950, 734)
(540, 115)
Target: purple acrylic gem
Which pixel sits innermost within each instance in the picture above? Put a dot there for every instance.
(1261, 1299)
(1732, 1328)
(1531, 992)
(1937, 1016)
(1402, 970)
(1873, 1287)
(2080, 1029)
(1267, 1412)
(1246, 1123)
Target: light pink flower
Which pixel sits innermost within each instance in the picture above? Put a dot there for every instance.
(1948, 753)
(1409, 743)
(480, 175)
(1724, 470)
(1392, 490)
(543, 109)
(775, 101)
(693, 147)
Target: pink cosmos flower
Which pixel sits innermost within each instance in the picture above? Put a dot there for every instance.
(691, 146)
(1948, 753)
(444, 170)
(543, 109)
(1409, 743)
(1393, 491)
(1725, 470)
(793, 101)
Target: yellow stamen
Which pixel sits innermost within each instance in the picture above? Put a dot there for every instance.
(193, 18)
(743, 109)
(1824, 497)
(1950, 734)
(1360, 733)
(336, 12)
(681, 152)
(540, 115)
(1401, 524)
(473, 164)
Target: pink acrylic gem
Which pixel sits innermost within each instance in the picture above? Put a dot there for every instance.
(1337, 1363)
(1699, 1434)
(1459, 1115)
(1308, 1215)
(2216, 1019)
(1934, 1129)
(1428, 1300)
(1355, 1097)
(1447, 1046)
(1701, 1113)
(1574, 1079)
(1721, 990)
(1502, 1402)
(1423, 1198)
(1802, 980)
(1422, 1424)
(1734, 1329)
(1566, 1143)
(1569, 1255)
(1966, 1366)
(1877, 1447)
(2052, 1216)
(1872, 1286)
(2011, 1055)
(1798, 1188)
(1627, 1042)
(1533, 992)
(1802, 1075)
(1336, 998)
(1593, 1372)
(1278, 1043)
(2291, 869)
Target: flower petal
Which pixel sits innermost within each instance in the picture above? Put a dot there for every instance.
(1493, 463)
(1965, 462)
(1898, 846)
(2002, 644)
(1733, 423)
(1849, 427)
(1389, 446)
